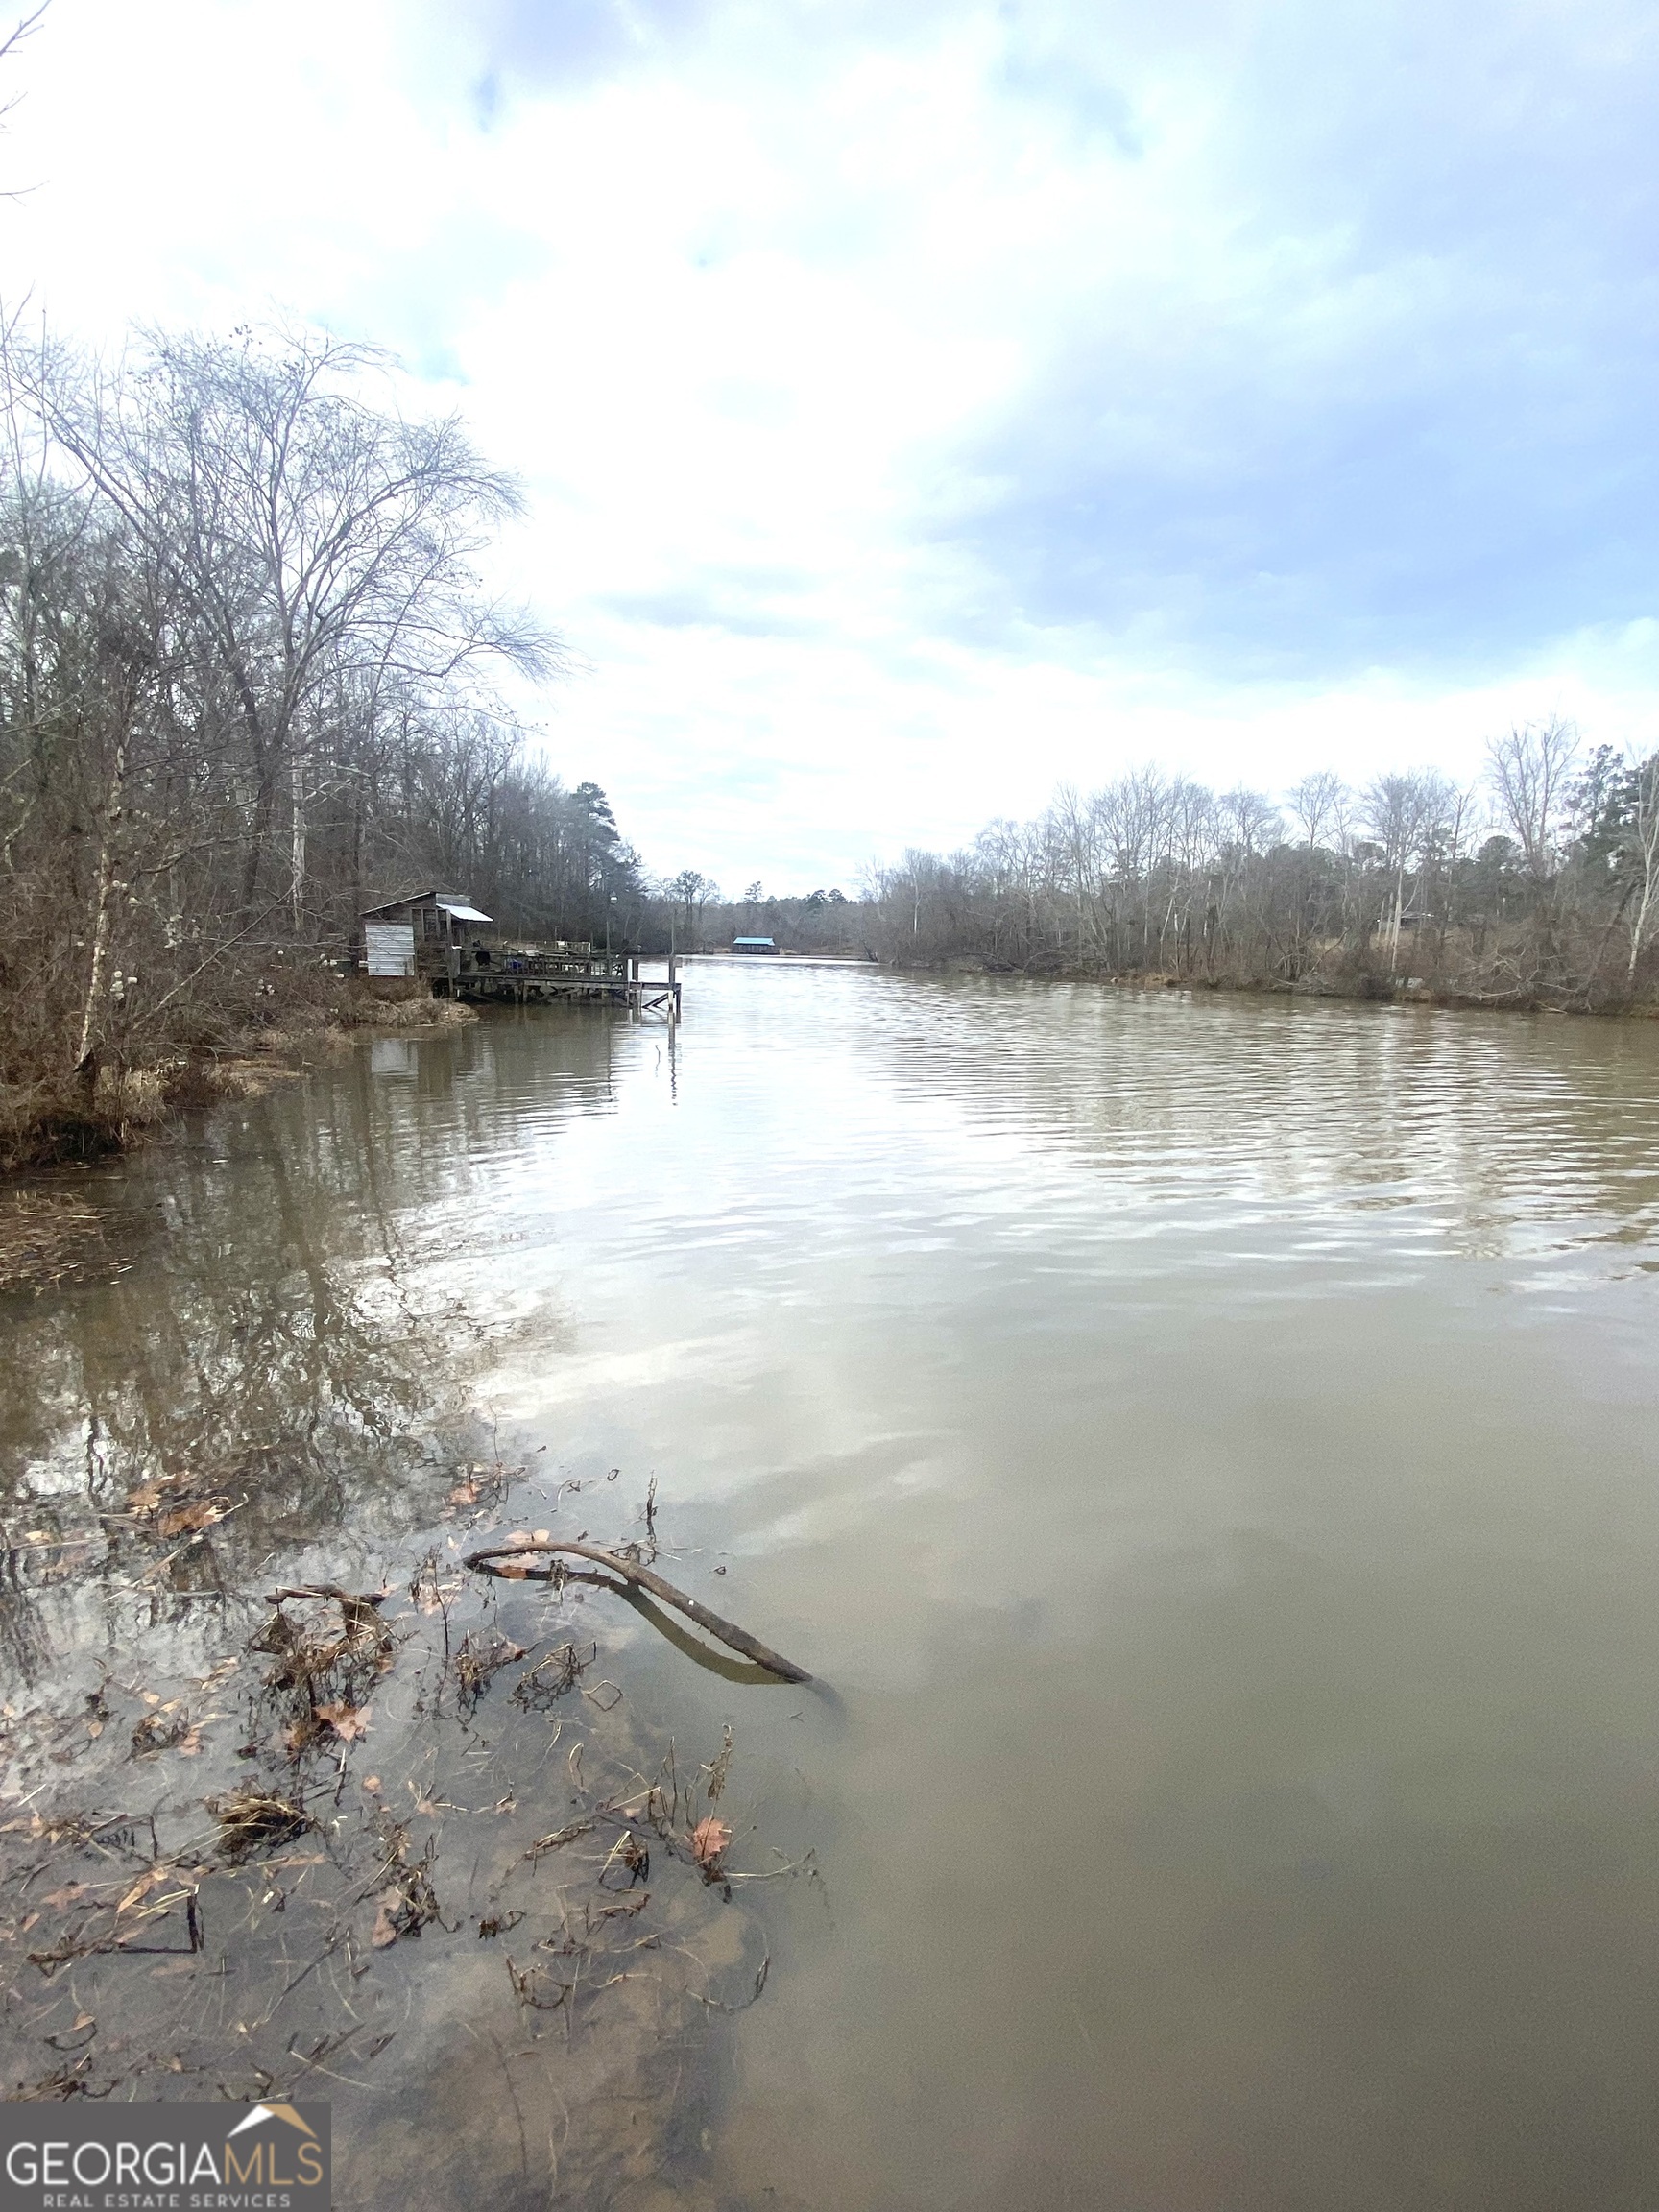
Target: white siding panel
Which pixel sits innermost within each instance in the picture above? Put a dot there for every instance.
(390, 947)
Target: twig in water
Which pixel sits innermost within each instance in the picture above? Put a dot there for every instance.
(645, 1578)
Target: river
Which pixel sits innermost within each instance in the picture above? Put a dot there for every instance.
(1204, 1447)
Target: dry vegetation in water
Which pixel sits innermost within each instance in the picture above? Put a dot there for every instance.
(408, 1839)
(48, 1120)
(50, 1236)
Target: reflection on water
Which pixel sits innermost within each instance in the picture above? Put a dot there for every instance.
(269, 1339)
(1207, 1446)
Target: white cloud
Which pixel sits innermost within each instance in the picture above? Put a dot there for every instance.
(915, 418)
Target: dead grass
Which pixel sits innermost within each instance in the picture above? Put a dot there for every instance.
(253, 1819)
(241, 1882)
(411, 1013)
(50, 1122)
(48, 1237)
(327, 1661)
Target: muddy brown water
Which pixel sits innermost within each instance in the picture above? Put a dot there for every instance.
(1207, 1446)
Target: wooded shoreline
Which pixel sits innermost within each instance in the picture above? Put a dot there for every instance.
(249, 692)
(1536, 885)
(1365, 987)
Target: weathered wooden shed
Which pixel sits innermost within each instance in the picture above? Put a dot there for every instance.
(425, 933)
(441, 940)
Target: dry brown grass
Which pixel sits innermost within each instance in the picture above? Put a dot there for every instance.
(43, 1122)
(412, 1013)
(55, 1120)
(48, 1237)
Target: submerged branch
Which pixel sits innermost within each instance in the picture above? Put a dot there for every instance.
(644, 1579)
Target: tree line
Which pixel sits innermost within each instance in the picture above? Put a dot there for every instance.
(692, 912)
(1537, 885)
(249, 684)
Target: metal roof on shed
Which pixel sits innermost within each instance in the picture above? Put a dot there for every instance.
(453, 903)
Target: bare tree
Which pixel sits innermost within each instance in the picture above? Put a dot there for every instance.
(239, 619)
(1319, 805)
(1530, 771)
(314, 539)
(20, 33)
(1644, 859)
(1403, 811)
(691, 892)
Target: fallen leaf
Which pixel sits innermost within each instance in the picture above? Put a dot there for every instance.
(512, 1571)
(544, 1535)
(141, 1889)
(385, 1930)
(150, 1697)
(28, 1922)
(145, 1498)
(709, 1840)
(371, 1781)
(83, 2020)
(347, 1721)
(188, 1520)
(189, 1743)
(71, 1894)
(522, 1537)
(94, 1729)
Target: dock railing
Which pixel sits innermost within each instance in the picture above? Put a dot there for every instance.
(528, 974)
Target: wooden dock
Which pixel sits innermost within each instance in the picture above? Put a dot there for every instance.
(536, 975)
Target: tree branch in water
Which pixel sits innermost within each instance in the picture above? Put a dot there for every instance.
(644, 1579)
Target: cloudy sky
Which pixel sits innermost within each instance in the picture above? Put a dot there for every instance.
(923, 403)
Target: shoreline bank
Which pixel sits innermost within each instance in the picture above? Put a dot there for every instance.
(384, 1821)
(61, 1121)
(1365, 987)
